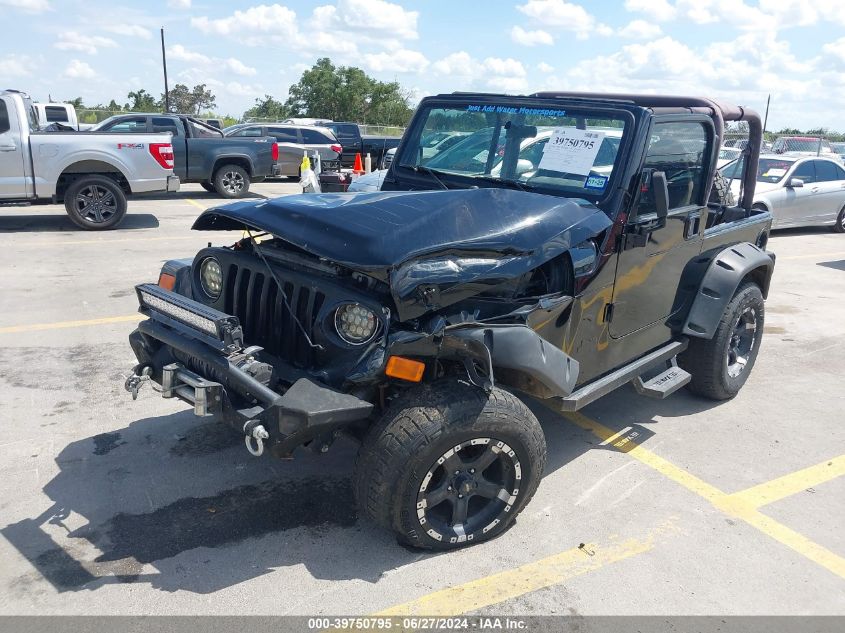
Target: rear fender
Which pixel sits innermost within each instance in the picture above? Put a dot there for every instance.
(724, 274)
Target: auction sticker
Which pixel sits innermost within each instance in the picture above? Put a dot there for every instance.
(571, 151)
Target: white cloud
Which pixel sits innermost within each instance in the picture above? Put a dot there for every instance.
(506, 74)
(73, 41)
(543, 67)
(508, 84)
(531, 38)
(179, 4)
(130, 30)
(372, 17)
(15, 66)
(400, 61)
(30, 6)
(660, 10)
(79, 70)
(459, 64)
(565, 16)
(504, 67)
(177, 51)
(270, 20)
(640, 30)
(238, 67)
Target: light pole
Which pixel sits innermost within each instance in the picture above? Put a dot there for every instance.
(164, 65)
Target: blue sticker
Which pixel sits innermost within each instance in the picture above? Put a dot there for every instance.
(501, 109)
(595, 182)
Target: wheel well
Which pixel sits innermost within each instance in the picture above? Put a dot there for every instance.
(239, 161)
(760, 277)
(90, 168)
(760, 205)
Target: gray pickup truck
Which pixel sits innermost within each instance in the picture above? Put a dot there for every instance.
(91, 173)
(203, 155)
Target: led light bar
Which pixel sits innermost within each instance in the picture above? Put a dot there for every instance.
(223, 328)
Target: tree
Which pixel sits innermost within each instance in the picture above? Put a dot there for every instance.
(141, 101)
(267, 108)
(76, 103)
(190, 101)
(347, 93)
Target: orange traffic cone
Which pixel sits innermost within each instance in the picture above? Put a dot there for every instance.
(358, 167)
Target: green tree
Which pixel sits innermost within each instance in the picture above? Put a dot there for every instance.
(347, 93)
(190, 101)
(267, 107)
(203, 99)
(141, 101)
(76, 103)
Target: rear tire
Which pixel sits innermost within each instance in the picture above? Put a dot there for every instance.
(721, 365)
(95, 203)
(450, 465)
(231, 181)
(208, 187)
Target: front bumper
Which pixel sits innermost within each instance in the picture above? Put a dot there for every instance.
(182, 332)
(173, 183)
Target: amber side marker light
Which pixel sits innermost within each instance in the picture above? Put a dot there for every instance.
(166, 281)
(405, 369)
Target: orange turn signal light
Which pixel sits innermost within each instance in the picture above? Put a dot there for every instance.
(167, 281)
(405, 369)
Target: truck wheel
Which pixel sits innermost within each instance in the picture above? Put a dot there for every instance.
(839, 227)
(721, 193)
(231, 181)
(721, 365)
(207, 186)
(95, 203)
(449, 465)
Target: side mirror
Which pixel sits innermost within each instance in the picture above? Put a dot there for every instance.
(660, 191)
(794, 183)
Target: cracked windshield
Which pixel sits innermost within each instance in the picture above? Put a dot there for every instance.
(530, 148)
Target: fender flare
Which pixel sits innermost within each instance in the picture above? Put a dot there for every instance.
(520, 358)
(723, 276)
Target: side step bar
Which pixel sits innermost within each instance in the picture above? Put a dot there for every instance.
(604, 385)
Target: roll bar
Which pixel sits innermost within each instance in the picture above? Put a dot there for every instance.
(720, 112)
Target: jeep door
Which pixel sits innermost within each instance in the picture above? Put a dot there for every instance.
(653, 253)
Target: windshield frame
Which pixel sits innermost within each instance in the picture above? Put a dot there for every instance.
(590, 110)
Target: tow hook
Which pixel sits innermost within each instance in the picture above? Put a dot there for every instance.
(256, 432)
(134, 383)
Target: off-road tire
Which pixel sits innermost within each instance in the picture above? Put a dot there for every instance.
(421, 426)
(708, 359)
(226, 180)
(208, 187)
(721, 193)
(839, 227)
(110, 198)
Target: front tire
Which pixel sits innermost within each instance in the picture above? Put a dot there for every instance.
(721, 365)
(95, 203)
(231, 181)
(839, 227)
(208, 187)
(450, 465)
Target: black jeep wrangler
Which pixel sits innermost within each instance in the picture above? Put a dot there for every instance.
(566, 244)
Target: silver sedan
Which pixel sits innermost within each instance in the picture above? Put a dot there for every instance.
(798, 190)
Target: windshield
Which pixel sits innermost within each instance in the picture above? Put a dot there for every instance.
(769, 170)
(572, 153)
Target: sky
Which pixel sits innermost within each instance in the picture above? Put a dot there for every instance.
(738, 51)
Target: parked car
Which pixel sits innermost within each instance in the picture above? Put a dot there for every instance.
(838, 148)
(368, 182)
(92, 173)
(293, 140)
(727, 155)
(798, 191)
(64, 114)
(215, 123)
(202, 154)
(389, 155)
(802, 146)
(307, 121)
(353, 142)
(414, 319)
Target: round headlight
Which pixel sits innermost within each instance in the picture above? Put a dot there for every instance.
(211, 277)
(355, 324)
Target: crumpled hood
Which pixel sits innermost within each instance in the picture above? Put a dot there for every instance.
(380, 230)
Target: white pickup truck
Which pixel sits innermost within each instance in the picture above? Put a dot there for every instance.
(90, 172)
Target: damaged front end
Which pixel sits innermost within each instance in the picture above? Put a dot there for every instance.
(294, 340)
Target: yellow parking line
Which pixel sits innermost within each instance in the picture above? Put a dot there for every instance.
(782, 487)
(195, 203)
(735, 507)
(513, 583)
(37, 327)
(818, 256)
